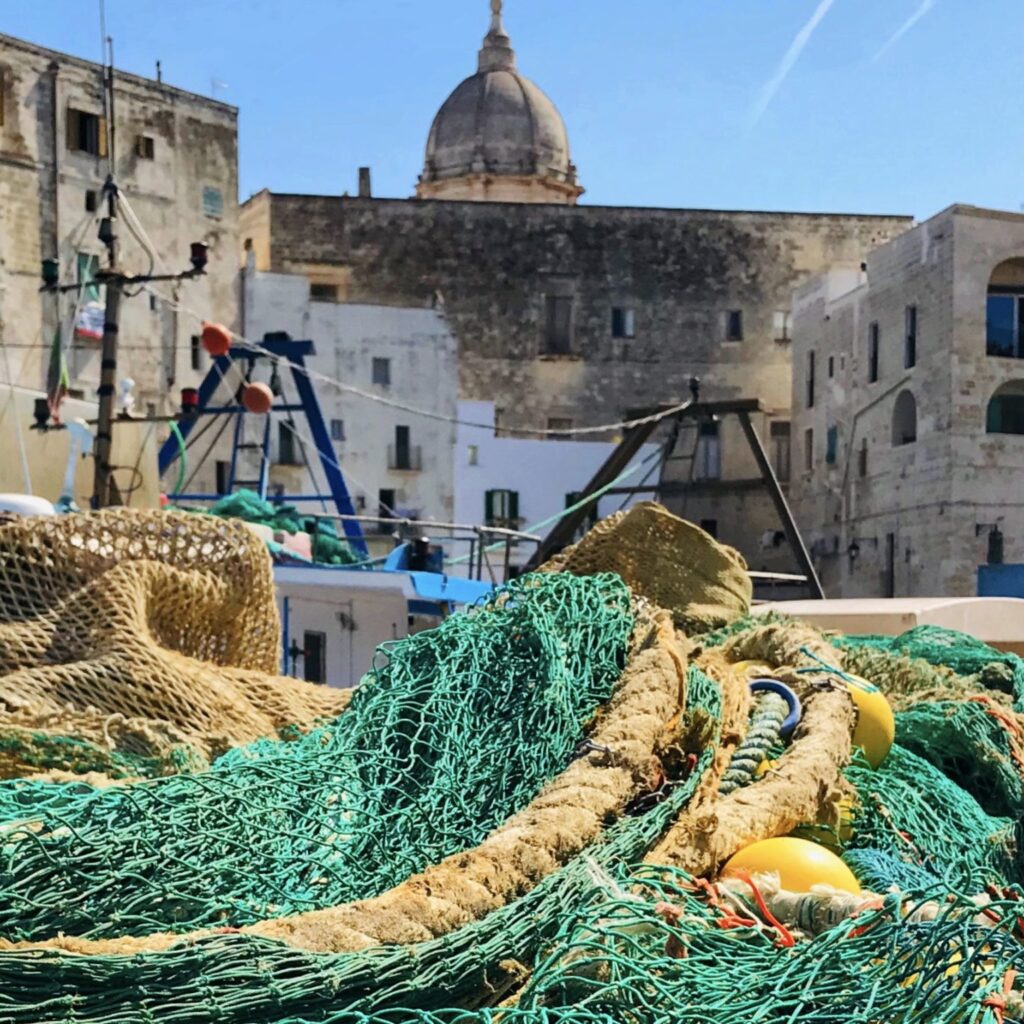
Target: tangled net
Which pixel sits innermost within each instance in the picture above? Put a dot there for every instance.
(520, 817)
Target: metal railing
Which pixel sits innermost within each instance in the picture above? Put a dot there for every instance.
(405, 458)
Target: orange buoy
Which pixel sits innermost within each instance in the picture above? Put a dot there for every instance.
(257, 398)
(216, 339)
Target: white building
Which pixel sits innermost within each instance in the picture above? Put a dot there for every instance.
(396, 462)
(519, 483)
(908, 411)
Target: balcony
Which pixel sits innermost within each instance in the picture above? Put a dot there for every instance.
(405, 458)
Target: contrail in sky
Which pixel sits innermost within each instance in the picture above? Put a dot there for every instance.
(800, 40)
(925, 7)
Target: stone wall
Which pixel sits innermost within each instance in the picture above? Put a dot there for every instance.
(491, 267)
(186, 191)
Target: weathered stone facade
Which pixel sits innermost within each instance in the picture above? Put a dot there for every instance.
(176, 161)
(887, 515)
(496, 267)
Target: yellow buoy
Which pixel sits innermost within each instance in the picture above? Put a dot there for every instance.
(799, 863)
(744, 667)
(876, 727)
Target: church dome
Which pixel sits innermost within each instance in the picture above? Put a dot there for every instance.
(498, 137)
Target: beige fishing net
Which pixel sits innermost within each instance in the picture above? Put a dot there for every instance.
(139, 631)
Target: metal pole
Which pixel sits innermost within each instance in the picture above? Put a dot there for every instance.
(781, 507)
(102, 481)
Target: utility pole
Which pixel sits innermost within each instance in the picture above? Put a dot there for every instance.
(103, 484)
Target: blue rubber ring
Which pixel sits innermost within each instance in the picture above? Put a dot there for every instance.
(788, 695)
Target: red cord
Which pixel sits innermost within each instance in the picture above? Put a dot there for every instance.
(785, 935)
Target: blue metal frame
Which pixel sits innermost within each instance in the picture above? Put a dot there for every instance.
(294, 354)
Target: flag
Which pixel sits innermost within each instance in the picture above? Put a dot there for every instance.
(56, 377)
(89, 322)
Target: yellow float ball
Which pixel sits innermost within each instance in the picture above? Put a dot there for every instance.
(799, 863)
(743, 668)
(876, 727)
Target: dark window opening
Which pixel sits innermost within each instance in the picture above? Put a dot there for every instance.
(558, 427)
(1005, 413)
(86, 133)
(1004, 320)
(558, 325)
(862, 458)
(910, 339)
(385, 507)
(287, 448)
(874, 339)
(708, 456)
(337, 430)
(623, 323)
(501, 509)
(809, 449)
(323, 292)
(195, 352)
(810, 380)
(832, 445)
(734, 325)
(904, 419)
(780, 441)
(144, 147)
(403, 449)
(92, 200)
(831, 367)
(710, 526)
(223, 472)
(314, 657)
(381, 371)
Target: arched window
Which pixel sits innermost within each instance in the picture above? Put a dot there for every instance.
(904, 419)
(1005, 414)
(1004, 310)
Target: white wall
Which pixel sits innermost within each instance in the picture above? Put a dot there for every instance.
(542, 471)
(423, 360)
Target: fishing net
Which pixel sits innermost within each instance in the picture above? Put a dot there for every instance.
(522, 816)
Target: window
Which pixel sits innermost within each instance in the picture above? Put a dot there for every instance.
(385, 507)
(473, 455)
(558, 425)
(910, 338)
(314, 657)
(831, 367)
(558, 325)
(337, 430)
(86, 133)
(1004, 311)
(403, 456)
(623, 322)
(904, 419)
(323, 292)
(287, 448)
(381, 371)
(831, 445)
(222, 469)
(862, 458)
(1005, 414)
(88, 266)
(144, 148)
(874, 339)
(501, 508)
(809, 449)
(708, 456)
(195, 352)
(779, 432)
(213, 202)
(710, 526)
(781, 323)
(810, 380)
(734, 325)
(92, 200)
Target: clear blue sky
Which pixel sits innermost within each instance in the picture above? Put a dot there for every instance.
(659, 96)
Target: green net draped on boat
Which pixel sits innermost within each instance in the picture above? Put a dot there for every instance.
(455, 730)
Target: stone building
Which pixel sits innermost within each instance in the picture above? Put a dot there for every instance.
(175, 157)
(394, 464)
(908, 399)
(574, 315)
